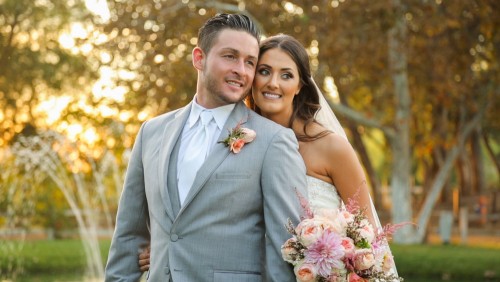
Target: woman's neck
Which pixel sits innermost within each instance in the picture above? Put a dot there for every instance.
(283, 120)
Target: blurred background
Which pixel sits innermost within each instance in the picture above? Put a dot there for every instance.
(416, 85)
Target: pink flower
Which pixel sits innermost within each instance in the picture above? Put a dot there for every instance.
(305, 272)
(353, 277)
(338, 245)
(248, 135)
(236, 145)
(348, 245)
(238, 137)
(326, 253)
(363, 259)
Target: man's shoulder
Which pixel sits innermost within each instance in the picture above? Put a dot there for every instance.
(268, 129)
(261, 122)
(165, 117)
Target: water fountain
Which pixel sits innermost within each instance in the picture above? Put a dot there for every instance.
(50, 156)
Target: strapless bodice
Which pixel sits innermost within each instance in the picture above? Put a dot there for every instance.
(322, 194)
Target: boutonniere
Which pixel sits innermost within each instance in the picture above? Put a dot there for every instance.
(238, 137)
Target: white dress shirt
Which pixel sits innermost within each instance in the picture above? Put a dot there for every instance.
(220, 116)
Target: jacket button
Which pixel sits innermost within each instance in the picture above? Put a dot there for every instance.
(167, 270)
(174, 237)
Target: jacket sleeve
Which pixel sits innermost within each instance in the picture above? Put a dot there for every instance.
(131, 230)
(283, 176)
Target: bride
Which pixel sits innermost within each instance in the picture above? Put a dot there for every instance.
(284, 92)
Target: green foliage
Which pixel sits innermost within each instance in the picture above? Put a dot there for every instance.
(34, 62)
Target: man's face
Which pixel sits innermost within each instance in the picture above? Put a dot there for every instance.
(227, 71)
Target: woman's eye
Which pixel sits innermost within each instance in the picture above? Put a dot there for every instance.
(287, 76)
(263, 72)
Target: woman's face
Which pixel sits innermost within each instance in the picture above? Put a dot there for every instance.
(276, 83)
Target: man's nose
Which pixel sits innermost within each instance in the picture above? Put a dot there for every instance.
(239, 67)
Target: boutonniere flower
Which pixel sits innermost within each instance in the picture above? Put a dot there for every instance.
(238, 137)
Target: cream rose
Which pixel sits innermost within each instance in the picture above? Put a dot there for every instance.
(366, 231)
(288, 252)
(309, 230)
(248, 135)
(363, 259)
(305, 272)
(346, 216)
(388, 262)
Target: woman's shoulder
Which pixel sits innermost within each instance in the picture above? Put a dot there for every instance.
(334, 145)
(330, 142)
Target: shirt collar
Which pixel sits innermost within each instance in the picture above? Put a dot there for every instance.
(220, 114)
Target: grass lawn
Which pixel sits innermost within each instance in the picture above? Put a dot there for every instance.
(64, 260)
(447, 262)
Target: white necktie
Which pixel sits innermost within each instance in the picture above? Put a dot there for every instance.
(197, 150)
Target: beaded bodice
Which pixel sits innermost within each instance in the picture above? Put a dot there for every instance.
(322, 194)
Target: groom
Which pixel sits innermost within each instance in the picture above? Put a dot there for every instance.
(210, 213)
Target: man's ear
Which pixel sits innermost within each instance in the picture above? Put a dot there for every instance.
(198, 58)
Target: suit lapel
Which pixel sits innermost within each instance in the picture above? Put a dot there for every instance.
(218, 153)
(172, 131)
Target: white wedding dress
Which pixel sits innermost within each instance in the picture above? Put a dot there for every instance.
(322, 195)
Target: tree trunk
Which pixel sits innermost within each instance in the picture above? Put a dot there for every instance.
(465, 174)
(400, 143)
(442, 176)
(478, 162)
(495, 158)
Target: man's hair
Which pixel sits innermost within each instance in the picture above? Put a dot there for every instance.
(209, 31)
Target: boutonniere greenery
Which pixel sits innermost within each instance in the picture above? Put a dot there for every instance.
(238, 137)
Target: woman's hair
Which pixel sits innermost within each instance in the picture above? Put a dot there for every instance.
(306, 103)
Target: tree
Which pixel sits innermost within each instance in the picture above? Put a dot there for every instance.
(34, 63)
(408, 70)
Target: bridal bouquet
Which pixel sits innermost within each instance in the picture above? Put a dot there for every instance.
(339, 245)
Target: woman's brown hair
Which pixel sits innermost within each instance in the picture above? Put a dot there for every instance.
(306, 103)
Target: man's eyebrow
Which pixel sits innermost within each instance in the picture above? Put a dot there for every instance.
(229, 49)
(235, 51)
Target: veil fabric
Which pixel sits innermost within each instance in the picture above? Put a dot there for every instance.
(326, 117)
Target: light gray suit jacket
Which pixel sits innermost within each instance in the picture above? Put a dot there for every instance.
(231, 226)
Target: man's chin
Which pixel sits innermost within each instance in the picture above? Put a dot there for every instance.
(233, 98)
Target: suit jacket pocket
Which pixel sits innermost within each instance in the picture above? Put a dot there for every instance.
(240, 276)
(232, 175)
